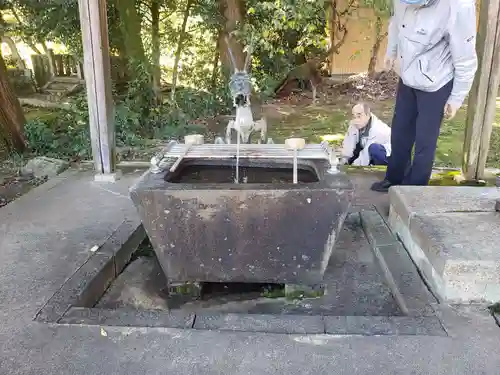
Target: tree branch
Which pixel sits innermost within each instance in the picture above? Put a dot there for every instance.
(24, 38)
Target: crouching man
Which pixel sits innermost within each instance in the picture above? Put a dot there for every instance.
(368, 139)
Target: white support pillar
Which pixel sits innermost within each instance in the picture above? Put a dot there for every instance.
(96, 67)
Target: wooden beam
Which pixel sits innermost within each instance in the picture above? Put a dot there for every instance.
(482, 99)
(97, 72)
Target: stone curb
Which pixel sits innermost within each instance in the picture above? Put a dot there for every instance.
(127, 318)
(402, 276)
(285, 324)
(258, 323)
(90, 281)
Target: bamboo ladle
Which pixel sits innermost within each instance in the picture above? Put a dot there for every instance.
(295, 144)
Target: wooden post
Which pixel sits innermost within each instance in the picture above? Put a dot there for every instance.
(52, 63)
(58, 60)
(96, 66)
(482, 99)
(38, 70)
(79, 69)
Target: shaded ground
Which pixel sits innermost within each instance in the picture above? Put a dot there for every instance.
(354, 287)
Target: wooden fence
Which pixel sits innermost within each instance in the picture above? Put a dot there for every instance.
(63, 65)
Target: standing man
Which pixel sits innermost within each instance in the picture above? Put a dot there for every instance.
(368, 139)
(434, 42)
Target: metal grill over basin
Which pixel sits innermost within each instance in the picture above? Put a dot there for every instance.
(204, 227)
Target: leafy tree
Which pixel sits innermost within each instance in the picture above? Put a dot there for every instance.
(11, 114)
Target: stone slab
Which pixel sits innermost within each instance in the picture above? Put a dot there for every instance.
(142, 285)
(128, 318)
(382, 325)
(286, 324)
(456, 252)
(401, 274)
(108, 177)
(464, 236)
(84, 288)
(122, 243)
(376, 230)
(410, 200)
(89, 282)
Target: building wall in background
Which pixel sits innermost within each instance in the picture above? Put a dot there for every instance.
(355, 53)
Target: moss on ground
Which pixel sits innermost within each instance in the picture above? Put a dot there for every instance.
(449, 178)
(442, 178)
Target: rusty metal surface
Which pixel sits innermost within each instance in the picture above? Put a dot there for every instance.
(282, 233)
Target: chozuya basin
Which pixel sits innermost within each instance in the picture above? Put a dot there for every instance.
(206, 228)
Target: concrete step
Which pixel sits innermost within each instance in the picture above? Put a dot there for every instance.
(452, 235)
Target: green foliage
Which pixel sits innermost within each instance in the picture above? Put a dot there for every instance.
(66, 134)
(49, 20)
(282, 34)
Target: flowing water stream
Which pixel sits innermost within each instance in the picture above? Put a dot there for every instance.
(237, 178)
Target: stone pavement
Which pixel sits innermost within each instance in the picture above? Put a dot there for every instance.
(48, 233)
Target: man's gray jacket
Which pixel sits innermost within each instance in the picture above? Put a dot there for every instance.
(434, 44)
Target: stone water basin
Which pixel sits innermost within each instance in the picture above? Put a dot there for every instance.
(206, 228)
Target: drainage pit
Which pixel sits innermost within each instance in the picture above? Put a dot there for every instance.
(129, 288)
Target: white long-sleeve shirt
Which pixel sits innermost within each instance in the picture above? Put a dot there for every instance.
(434, 44)
(379, 132)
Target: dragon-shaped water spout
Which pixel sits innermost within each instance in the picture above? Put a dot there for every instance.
(240, 86)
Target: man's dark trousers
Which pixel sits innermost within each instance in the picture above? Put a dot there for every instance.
(417, 121)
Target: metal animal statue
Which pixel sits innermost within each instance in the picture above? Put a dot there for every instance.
(240, 86)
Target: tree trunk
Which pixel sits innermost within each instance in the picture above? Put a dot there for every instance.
(233, 12)
(155, 46)
(332, 25)
(11, 114)
(130, 26)
(50, 56)
(178, 52)
(215, 65)
(379, 37)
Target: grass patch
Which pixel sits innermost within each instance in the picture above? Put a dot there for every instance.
(329, 122)
(312, 123)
